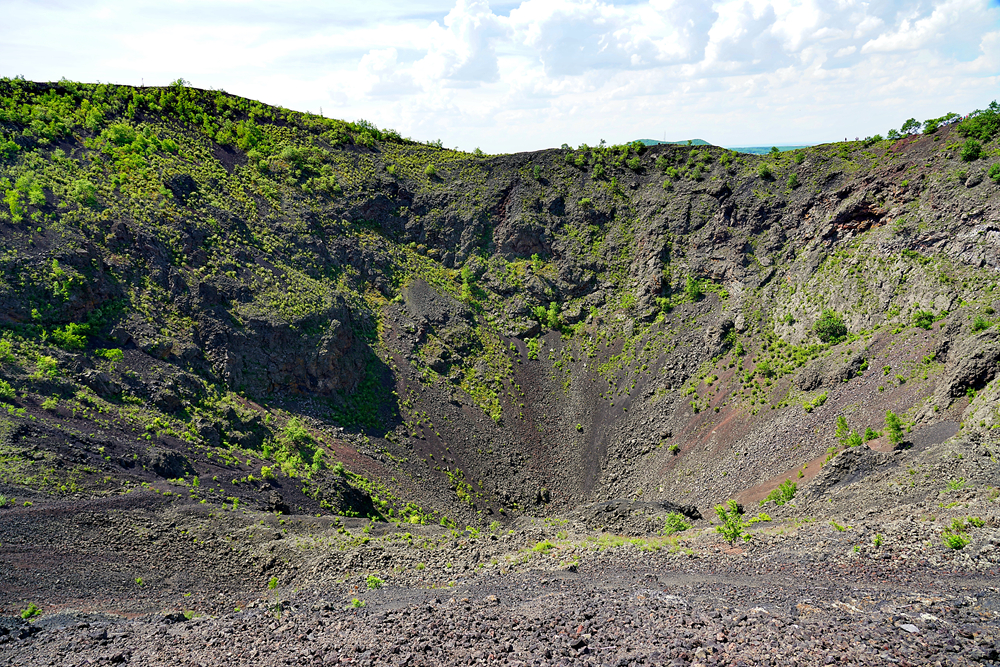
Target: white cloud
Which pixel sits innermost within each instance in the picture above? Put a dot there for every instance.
(539, 72)
(937, 27)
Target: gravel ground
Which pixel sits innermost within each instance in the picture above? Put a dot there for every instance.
(801, 591)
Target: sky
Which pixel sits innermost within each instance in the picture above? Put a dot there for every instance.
(525, 75)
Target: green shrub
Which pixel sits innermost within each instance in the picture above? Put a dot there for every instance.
(816, 402)
(764, 171)
(764, 369)
(374, 582)
(8, 149)
(956, 484)
(793, 181)
(878, 540)
(842, 430)
(430, 170)
(923, 319)
(674, 449)
(6, 391)
(296, 433)
(31, 611)
(46, 367)
(552, 317)
(994, 172)
(71, 337)
(980, 324)
(119, 134)
(893, 427)
(14, 201)
(675, 523)
(84, 192)
(543, 547)
(955, 540)
(693, 289)
(113, 356)
(830, 327)
(854, 440)
(733, 526)
(971, 150)
(982, 124)
(782, 494)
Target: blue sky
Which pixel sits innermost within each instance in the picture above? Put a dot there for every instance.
(509, 76)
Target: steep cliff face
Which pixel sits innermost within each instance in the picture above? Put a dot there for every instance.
(477, 333)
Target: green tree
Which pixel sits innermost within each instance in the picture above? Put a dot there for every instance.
(911, 126)
(893, 427)
(842, 430)
(733, 526)
(793, 181)
(982, 124)
(830, 327)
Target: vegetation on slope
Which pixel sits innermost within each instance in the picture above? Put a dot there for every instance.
(188, 272)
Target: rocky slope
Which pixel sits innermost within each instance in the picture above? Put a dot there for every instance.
(217, 313)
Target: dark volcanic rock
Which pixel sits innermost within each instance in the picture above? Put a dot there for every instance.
(169, 464)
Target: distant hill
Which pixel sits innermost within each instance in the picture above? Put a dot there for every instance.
(689, 142)
(762, 150)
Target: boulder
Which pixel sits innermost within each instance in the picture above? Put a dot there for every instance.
(101, 383)
(169, 464)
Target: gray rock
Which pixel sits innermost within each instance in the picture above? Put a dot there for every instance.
(973, 363)
(169, 464)
(101, 383)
